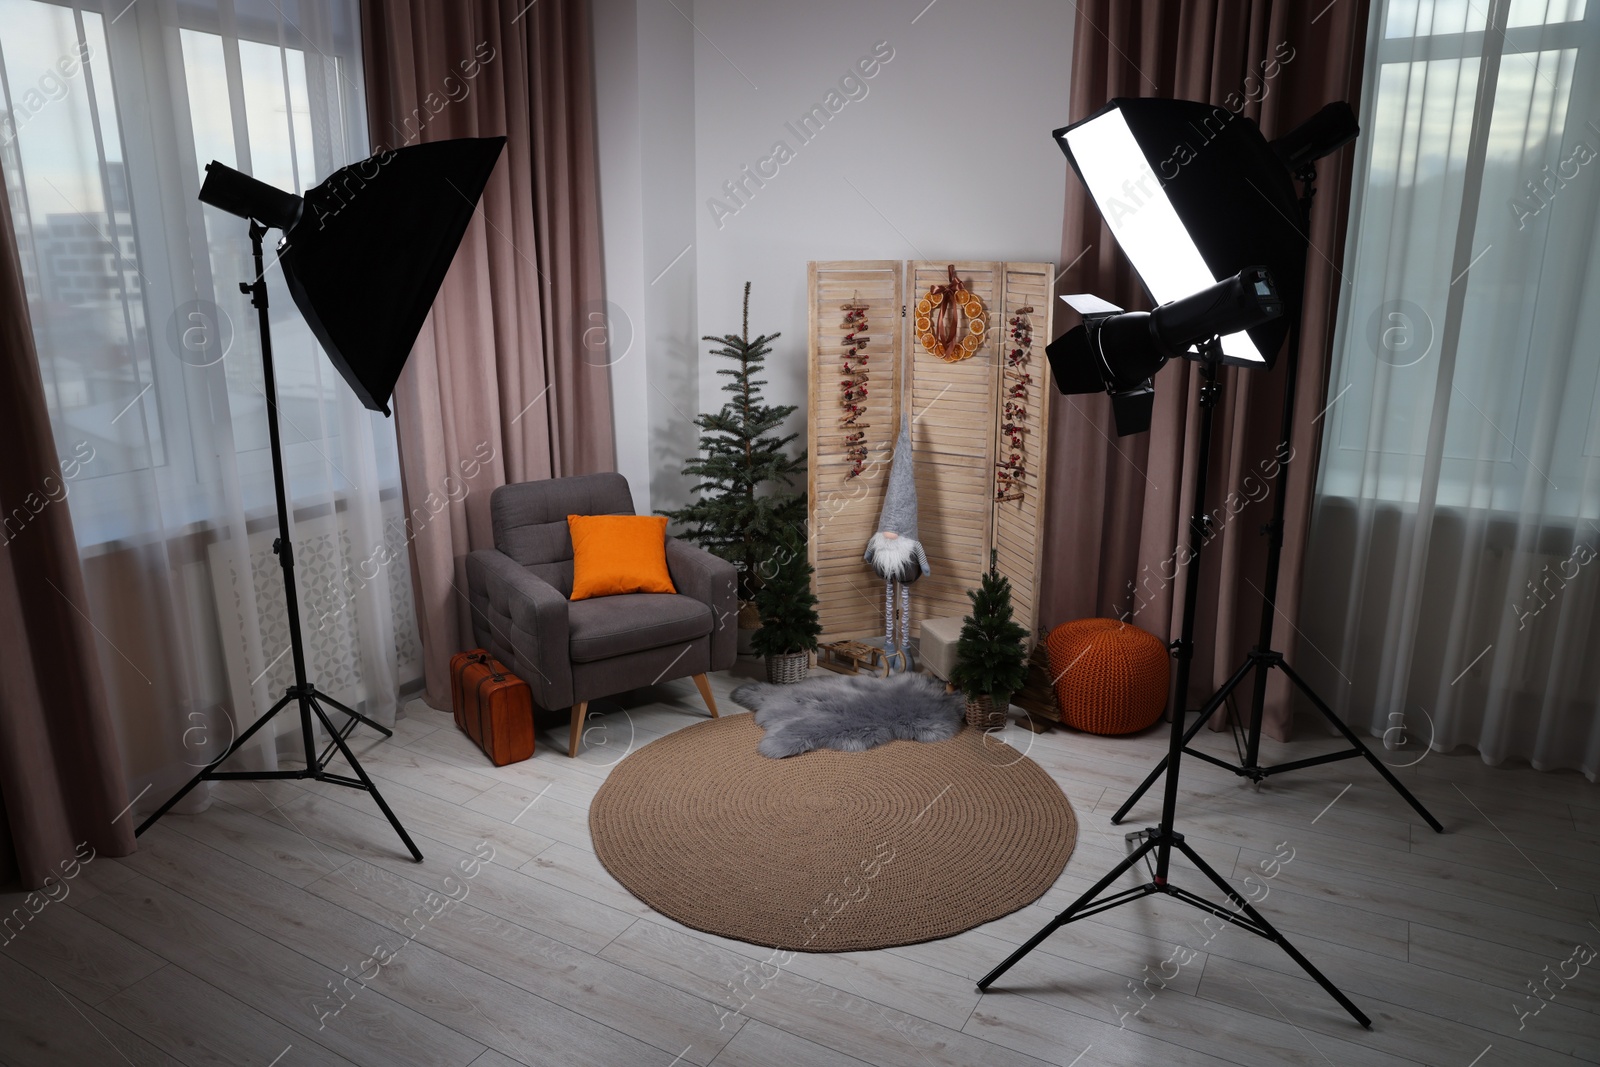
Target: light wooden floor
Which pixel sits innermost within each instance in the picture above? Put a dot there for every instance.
(215, 943)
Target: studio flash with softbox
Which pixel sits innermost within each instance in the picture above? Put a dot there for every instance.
(363, 255)
(1206, 210)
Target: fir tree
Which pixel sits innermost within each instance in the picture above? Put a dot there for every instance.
(745, 476)
(990, 659)
(788, 607)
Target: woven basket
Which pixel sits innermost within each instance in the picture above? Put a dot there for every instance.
(789, 668)
(749, 623)
(987, 712)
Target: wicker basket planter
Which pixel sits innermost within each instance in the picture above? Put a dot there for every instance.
(985, 712)
(749, 621)
(789, 668)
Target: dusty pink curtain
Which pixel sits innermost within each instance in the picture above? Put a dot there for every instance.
(507, 382)
(61, 781)
(1118, 508)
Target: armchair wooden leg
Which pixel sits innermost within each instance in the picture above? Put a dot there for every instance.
(579, 710)
(704, 685)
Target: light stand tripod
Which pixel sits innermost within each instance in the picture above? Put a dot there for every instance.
(303, 693)
(1163, 839)
(1263, 657)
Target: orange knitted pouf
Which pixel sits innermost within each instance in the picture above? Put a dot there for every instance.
(1111, 677)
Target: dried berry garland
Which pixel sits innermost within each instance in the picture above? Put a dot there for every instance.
(853, 386)
(1011, 471)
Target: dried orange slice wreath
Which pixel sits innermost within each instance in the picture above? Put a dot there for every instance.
(939, 327)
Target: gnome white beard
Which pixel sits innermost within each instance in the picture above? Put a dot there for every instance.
(898, 558)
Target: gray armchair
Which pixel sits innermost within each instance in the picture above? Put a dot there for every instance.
(572, 652)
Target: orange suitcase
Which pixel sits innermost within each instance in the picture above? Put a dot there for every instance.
(492, 706)
(458, 663)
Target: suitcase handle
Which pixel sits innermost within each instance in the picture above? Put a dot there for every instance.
(484, 659)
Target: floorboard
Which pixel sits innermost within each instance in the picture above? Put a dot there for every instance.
(231, 936)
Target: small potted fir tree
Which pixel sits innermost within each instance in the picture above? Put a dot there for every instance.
(991, 662)
(789, 625)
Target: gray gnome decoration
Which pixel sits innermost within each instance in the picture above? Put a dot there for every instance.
(894, 553)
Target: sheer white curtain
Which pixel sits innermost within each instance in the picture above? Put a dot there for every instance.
(1456, 541)
(152, 367)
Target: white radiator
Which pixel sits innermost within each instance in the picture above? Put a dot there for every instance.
(328, 616)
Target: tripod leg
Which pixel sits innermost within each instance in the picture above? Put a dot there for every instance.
(1272, 932)
(208, 768)
(1206, 712)
(1144, 786)
(350, 758)
(1070, 913)
(1356, 742)
(382, 729)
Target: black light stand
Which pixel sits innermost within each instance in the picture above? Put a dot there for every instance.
(1263, 657)
(1163, 839)
(303, 693)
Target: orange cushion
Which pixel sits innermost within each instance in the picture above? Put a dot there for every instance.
(614, 554)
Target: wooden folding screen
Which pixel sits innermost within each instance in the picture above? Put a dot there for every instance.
(844, 509)
(958, 415)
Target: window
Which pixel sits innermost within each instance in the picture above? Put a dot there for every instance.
(1466, 356)
(149, 354)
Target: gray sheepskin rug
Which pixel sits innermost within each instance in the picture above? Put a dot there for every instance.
(851, 712)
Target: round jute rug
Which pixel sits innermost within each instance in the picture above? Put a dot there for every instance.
(831, 851)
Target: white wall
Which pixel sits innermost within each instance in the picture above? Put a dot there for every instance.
(947, 147)
(644, 73)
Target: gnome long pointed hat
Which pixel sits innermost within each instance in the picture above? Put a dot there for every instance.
(894, 552)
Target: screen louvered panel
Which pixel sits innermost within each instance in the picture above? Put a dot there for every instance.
(1018, 532)
(952, 436)
(844, 507)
